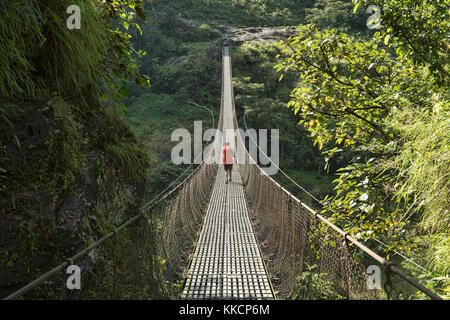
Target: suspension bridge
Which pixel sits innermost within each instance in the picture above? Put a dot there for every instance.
(249, 239)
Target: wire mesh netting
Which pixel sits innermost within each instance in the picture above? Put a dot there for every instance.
(301, 251)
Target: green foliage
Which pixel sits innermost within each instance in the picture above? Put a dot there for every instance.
(205, 30)
(120, 145)
(63, 146)
(117, 274)
(58, 173)
(187, 78)
(16, 68)
(370, 106)
(56, 164)
(73, 60)
(261, 96)
(123, 58)
(347, 91)
(65, 158)
(347, 86)
(311, 285)
(159, 45)
(181, 72)
(439, 258)
(424, 159)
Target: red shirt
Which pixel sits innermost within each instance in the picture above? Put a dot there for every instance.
(227, 156)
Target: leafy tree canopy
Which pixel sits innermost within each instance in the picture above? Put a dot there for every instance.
(385, 101)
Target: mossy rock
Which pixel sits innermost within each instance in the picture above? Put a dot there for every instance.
(68, 179)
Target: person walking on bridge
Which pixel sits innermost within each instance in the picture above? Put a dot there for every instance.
(228, 155)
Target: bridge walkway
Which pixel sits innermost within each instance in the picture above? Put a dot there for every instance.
(227, 263)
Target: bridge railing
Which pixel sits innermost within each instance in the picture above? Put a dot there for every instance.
(183, 218)
(134, 260)
(306, 255)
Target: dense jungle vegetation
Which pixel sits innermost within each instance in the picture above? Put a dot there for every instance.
(384, 101)
(363, 116)
(71, 169)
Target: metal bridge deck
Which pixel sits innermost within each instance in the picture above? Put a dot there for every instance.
(227, 263)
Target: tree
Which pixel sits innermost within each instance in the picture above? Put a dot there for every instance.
(418, 29)
(364, 97)
(41, 56)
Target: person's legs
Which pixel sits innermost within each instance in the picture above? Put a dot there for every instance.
(226, 173)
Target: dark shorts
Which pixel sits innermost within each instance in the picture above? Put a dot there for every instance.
(228, 167)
